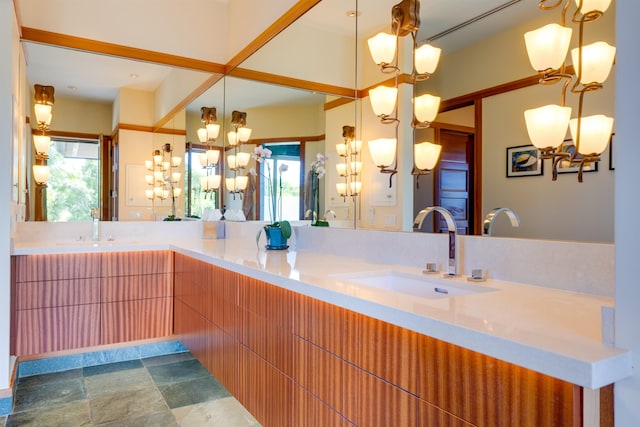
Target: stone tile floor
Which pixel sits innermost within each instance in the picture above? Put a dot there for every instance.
(171, 390)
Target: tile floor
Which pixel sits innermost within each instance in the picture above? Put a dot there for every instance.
(171, 390)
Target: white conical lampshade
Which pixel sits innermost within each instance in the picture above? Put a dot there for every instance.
(202, 135)
(341, 168)
(356, 146)
(42, 144)
(41, 174)
(232, 162)
(233, 138)
(149, 179)
(341, 187)
(213, 182)
(382, 47)
(355, 187)
(241, 182)
(597, 60)
(383, 151)
(244, 134)
(242, 159)
(176, 161)
(341, 148)
(383, 100)
(203, 159)
(426, 155)
(213, 129)
(231, 184)
(427, 58)
(426, 107)
(212, 157)
(547, 126)
(592, 5)
(177, 192)
(43, 114)
(176, 176)
(356, 168)
(547, 46)
(595, 132)
(149, 193)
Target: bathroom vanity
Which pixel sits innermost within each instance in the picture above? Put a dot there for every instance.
(299, 339)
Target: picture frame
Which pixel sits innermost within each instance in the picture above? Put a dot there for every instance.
(524, 160)
(565, 166)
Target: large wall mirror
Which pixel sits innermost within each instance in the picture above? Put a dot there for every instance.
(311, 80)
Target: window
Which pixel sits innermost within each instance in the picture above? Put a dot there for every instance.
(288, 206)
(196, 201)
(74, 179)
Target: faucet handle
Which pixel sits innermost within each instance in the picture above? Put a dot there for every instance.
(431, 268)
(478, 275)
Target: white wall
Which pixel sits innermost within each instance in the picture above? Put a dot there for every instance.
(82, 116)
(10, 105)
(627, 206)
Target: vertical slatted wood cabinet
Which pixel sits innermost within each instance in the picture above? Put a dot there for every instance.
(296, 361)
(68, 301)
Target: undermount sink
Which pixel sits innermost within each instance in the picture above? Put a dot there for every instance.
(412, 284)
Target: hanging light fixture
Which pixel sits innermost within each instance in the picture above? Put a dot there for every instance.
(163, 179)
(383, 48)
(547, 48)
(239, 160)
(209, 159)
(43, 99)
(351, 167)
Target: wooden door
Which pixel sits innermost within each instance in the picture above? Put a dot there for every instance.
(454, 179)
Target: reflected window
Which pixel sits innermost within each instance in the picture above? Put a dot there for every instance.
(73, 188)
(197, 201)
(288, 207)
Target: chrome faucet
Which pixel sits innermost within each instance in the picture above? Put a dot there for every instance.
(95, 215)
(451, 225)
(487, 225)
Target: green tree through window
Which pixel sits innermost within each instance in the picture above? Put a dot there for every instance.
(74, 181)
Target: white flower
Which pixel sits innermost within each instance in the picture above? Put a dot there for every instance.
(320, 171)
(253, 172)
(283, 167)
(260, 153)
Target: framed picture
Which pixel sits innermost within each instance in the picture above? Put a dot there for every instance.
(612, 160)
(523, 160)
(566, 166)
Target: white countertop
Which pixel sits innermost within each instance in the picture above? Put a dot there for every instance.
(550, 331)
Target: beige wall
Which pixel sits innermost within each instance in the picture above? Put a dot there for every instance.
(74, 115)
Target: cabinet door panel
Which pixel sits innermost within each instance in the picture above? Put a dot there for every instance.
(266, 392)
(320, 323)
(44, 330)
(487, 391)
(319, 372)
(126, 288)
(309, 411)
(57, 293)
(136, 262)
(136, 320)
(372, 402)
(383, 349)
(30, 268)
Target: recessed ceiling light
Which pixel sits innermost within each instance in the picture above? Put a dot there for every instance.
(353, 13)
(71, 87)
(134, 75)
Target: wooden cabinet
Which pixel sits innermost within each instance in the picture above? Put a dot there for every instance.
(67, 301)
(136, 296)
(294, 360)
(57, 302)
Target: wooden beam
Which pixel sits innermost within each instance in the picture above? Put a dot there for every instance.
(87, 45)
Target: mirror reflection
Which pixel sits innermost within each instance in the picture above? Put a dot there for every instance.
(298, 90)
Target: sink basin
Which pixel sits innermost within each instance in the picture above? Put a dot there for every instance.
(415, 285)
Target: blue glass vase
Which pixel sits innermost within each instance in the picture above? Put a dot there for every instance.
(275, 238)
